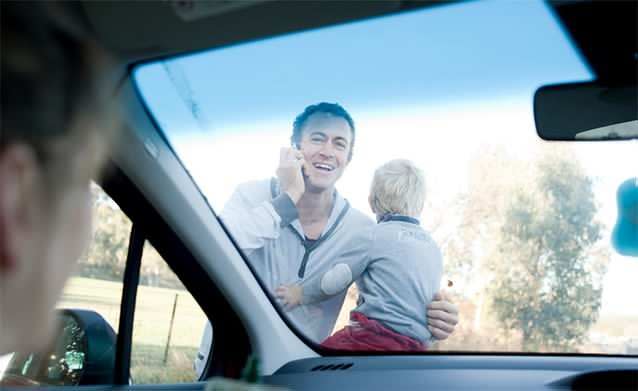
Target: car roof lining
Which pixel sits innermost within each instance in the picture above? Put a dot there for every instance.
(148, 30)
(152, 30)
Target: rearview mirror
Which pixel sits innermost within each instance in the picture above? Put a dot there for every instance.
(586, 111)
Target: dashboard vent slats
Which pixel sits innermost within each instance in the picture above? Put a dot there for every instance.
(332, 367)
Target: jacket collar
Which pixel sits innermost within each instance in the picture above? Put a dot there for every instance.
(397, 217)
(338, 205)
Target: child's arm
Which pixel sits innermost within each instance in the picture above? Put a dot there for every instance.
(336, 280)
(315, 289)
(347, 268)
(320, 288)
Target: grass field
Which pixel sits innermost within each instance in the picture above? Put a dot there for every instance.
(151, 362)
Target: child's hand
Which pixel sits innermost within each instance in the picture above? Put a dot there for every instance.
(289, 295)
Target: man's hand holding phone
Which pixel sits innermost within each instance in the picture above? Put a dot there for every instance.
(290, 173)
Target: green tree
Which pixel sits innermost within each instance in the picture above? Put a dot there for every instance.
(547, 267)
(478, 215)
(105, 257)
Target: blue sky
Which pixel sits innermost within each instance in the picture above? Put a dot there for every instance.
(434, 86)
(461, 51)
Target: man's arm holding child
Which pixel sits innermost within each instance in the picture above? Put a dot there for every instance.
(443, 316)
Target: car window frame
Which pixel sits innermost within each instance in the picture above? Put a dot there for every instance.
(232, 348)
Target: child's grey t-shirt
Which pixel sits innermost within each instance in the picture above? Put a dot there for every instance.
(397, 277)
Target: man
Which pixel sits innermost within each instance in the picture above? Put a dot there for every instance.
(293, 227)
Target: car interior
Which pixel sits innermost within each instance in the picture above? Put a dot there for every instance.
(150, 182)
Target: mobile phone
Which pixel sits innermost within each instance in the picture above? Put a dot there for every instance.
(303, 169)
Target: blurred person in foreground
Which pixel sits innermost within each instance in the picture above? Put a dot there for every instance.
(58, 122)
(56, 125)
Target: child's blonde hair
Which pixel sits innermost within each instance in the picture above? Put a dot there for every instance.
(398, 187)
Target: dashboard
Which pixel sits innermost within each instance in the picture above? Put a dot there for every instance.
(459, 372)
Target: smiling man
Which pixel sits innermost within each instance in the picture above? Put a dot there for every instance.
(295, 226)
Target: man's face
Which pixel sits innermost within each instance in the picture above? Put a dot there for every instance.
(326, 141)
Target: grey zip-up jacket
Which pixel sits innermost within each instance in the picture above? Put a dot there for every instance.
(397, 267)
(264, 223)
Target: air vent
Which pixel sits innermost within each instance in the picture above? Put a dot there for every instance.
(332, 367)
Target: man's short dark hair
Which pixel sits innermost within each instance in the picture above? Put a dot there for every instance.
(334, 109)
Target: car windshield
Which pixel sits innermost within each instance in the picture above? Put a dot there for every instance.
(516, 230)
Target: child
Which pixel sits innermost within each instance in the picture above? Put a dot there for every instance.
(397, 277)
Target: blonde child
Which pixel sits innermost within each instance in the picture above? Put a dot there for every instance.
(397, 277)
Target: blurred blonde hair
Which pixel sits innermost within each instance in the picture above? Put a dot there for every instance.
(398, 187)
